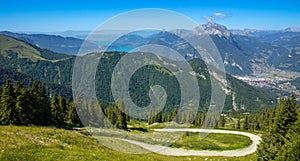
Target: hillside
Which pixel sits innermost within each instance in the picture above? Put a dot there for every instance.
(27, 81)
(239, 95)
(59, 44)
(40, 64)
(10, 48)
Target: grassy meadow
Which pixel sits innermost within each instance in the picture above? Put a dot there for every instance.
(48, 143)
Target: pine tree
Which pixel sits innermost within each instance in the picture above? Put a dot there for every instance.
(174, 114)
(111, 114)
(23, 107)
(72, 118)
(121, 121)
(121, 105)
(158, 117)
(63, 106)
(8, 112)
(223, 121)
(150, 117)
(238, 126)
(246, 124)
(56, 111)
(257, 126)
(275, 137)
(291, 150)
(40, 104)
(17, 89)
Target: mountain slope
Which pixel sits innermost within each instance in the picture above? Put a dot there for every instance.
(240, 96)
(42, 65)
(10, 47)
(27, 81)
(59, 44)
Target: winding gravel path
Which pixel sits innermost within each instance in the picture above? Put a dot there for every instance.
(183, 152)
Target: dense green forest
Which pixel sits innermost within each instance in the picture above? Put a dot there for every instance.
(251, 98)
(33, 106)
(281, 139)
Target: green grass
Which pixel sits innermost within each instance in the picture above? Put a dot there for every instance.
(47, 143)
(22, 49)
(10, 45)
(212, 142)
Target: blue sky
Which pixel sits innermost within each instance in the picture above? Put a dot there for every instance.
(55, 15)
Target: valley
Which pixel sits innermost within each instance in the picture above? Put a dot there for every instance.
(42, 119)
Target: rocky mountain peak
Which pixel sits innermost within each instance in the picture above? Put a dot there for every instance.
(213, 28)
(292, 29)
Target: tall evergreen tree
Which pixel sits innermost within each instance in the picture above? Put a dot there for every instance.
(63, 106)
(150, 117)
(223, 121)
(56, 111)
(8, 112)
(291, 150)
(274, 138)
(111, 114)
(72, 118)
(246, 124)
(40, 104)
(23, 107)
(238, 126)
(158, 117)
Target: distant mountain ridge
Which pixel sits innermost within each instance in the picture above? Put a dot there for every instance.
(59, 44)
(11, 47)
(244, 52)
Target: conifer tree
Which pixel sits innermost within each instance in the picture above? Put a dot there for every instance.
(63, 106)
(223, 121)
(158, 117)
(275, 137)
(238, 126)
(246, 124)
(150, 117)
(56, 111)
(40, 104)
(291, 150)
(8, 112)
(23, 107)
(72, 118)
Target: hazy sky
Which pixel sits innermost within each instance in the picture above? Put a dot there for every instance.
(55, 15)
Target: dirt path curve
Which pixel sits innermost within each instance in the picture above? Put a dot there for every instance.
(183, 152)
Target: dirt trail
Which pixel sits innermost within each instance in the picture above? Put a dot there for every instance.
(183, 152)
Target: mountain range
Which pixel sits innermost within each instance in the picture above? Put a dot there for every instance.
(244, 52)
(268, 59)
(20, 59)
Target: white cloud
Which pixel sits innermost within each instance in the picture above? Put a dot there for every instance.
(221, 15)
(217, 15)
